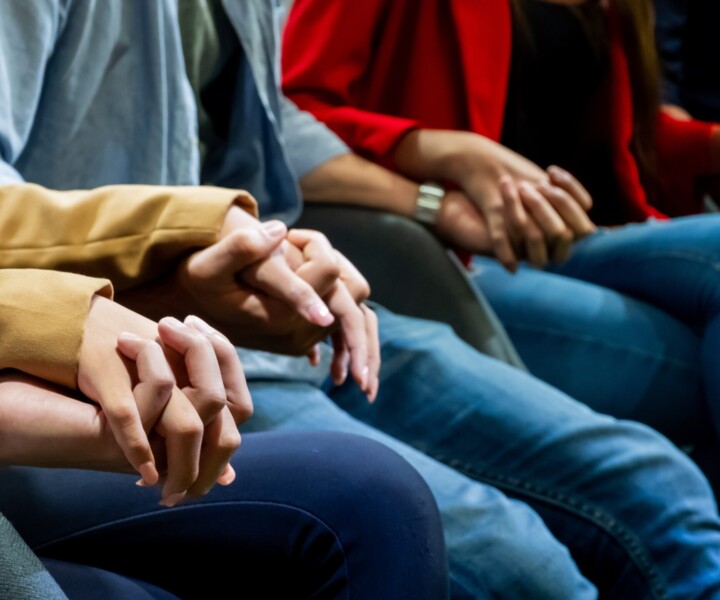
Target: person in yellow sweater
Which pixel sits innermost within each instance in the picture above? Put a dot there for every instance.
(90, 384)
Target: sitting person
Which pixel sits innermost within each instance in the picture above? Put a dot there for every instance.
(636, 516)
(164, 401)
(626, 320)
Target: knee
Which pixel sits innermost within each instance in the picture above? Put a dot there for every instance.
(381, 508)
(367, 473)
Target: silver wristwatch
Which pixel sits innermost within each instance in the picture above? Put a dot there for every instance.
(428, 203)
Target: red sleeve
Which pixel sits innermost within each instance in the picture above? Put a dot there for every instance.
(684, 154)
(326, 54)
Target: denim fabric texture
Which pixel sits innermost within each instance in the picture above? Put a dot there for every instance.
(635, 513)
(630, 325)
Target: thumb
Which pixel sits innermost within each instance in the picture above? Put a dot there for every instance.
(237, 250)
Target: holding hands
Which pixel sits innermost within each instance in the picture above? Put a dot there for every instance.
(275, 290)
(172, 395)
(506, 206)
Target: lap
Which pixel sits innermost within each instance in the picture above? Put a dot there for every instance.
(673, 264)
(617, 354)
(506, 428)
(291, 518)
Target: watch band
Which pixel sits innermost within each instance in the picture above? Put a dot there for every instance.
(428, 203)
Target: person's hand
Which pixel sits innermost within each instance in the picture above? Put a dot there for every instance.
(105, 378)
(268, 317)
(209, 401)
(310, 255)
(529, 212)
(546, 219)
(196, 419)
(44, 426)
(356, 340)
(542, 222)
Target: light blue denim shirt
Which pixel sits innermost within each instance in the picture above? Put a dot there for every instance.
(94, 92)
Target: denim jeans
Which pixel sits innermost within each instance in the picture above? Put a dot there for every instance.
(629, 325)
(325, 516)
(524, 467)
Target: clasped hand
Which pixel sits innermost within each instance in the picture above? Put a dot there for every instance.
(167, 402)
(282, 291)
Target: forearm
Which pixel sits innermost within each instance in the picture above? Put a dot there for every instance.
(426, 154)
(41, 426)
(351, 179)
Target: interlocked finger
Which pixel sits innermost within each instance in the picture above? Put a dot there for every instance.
(220, 442)
(204, 385)
(237, 393)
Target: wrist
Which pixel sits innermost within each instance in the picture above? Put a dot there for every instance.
(463, 157)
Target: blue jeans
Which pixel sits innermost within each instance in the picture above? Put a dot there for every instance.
(636, 514)
(630, 325)
(322, 515)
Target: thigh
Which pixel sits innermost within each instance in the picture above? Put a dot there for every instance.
(507, 428)
(619, 355)
(673, 264)
(485, 531)
(306, 518)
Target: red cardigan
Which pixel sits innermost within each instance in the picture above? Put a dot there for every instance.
(375, 69)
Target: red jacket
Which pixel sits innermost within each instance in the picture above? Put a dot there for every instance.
(375, 69)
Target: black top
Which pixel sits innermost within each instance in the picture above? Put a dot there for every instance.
(560, 57)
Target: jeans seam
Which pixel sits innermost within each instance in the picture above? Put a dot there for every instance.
(585, 338)
(633, 547)
(147, 514)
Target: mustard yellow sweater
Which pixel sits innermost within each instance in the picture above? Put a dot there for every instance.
(126, 235)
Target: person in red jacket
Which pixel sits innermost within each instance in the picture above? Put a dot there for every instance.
(487, 98)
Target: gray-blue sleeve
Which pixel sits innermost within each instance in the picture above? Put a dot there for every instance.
(28, 30)
(308, 142)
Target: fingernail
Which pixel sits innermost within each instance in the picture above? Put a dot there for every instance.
(558, 172)
(227, 477)
(141, 483)
(364, 376)
(149, 473)
(201, 325)
(172, 499)
(174, 323)
(129, 336)
(376, 389)
(275, 229)
(320, 314)
(342, 378)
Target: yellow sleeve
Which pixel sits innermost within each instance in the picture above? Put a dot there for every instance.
(42, 319)
(129, 234)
